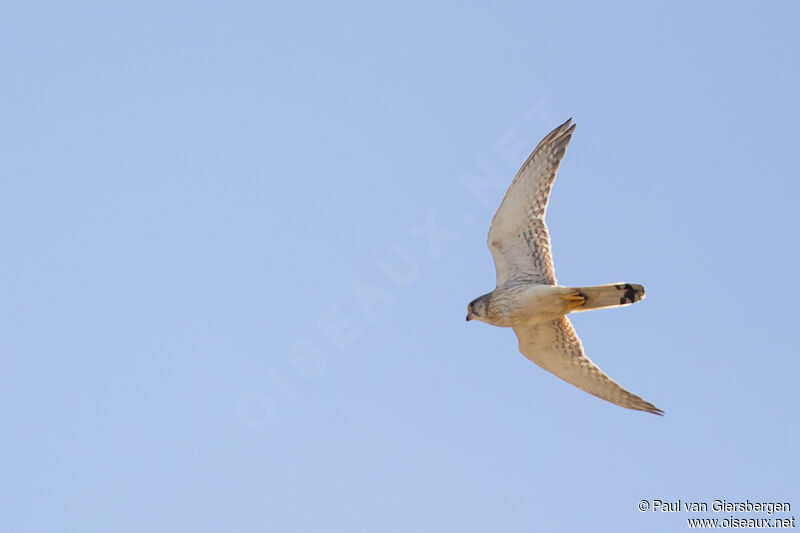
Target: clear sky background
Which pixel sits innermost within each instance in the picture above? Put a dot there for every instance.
(222, 308)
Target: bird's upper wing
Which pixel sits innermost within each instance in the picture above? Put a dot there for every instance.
(556, 347)
(518, 237)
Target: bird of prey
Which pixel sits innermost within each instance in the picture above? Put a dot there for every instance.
(527, 297)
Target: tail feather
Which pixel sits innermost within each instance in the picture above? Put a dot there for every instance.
(611, 295)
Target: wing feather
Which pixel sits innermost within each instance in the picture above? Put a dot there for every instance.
(518, 237)
(556, 347)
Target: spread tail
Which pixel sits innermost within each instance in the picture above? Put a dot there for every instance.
(611, 295)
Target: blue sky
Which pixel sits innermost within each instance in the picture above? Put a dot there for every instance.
(225, 309)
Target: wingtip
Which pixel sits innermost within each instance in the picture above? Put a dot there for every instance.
(644, 406)
(567, 128)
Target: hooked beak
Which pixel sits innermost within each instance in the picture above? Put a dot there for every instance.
(469, 317)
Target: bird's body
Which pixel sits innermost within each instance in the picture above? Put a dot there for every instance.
(522, 304)
(528, 298)
(526, 304)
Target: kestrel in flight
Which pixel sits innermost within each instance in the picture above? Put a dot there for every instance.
(527, 297)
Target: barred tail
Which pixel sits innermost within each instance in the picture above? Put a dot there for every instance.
(611, 295)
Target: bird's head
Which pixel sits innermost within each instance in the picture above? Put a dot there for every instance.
(478, 308)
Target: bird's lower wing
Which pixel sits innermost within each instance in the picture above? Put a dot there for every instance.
(518, 237)
(556, 347)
